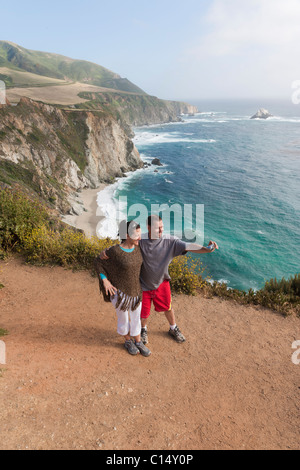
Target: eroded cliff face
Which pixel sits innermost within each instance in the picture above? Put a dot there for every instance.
(179, 107)
(136, 110)
(109, 151)
(56, 153)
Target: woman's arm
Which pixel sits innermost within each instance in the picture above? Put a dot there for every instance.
(103, 254)
(100, 267)
(109, 288)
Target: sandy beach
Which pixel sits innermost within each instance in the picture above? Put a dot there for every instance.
(90, 218)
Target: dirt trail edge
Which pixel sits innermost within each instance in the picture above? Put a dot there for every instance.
(68, 382)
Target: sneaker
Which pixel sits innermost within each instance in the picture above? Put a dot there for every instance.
(144, 336)
(177, 335)
(143, 349)
(131, 348)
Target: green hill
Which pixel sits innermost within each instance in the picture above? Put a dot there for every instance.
(55, 66)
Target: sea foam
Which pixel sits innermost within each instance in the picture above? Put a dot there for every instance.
(109, 210)
(149, 138)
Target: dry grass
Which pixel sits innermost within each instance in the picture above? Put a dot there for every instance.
(64, 94)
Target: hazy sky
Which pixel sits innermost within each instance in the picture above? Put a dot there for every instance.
(192, 49)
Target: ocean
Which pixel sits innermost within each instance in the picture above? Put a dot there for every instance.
(245, 172)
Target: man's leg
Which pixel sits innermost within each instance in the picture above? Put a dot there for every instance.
(174, 330)
(144, 331)
(163, 303)
(170, 315)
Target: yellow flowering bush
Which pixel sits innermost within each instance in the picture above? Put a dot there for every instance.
(186, 274)
(18, 216)
(64, 248)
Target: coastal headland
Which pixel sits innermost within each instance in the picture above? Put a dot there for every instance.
(67, 382)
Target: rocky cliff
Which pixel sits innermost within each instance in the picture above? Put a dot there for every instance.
(136, 110)
(54, 152)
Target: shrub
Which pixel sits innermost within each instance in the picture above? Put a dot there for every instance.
(186, 275)
(26, 226)
(18, 217)
(63, 248)
(282, 296)
(290, 287)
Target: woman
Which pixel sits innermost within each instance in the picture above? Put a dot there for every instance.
(120, 285)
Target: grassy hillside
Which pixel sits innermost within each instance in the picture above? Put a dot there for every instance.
(55, 79)
(17, 78)
(56, 66)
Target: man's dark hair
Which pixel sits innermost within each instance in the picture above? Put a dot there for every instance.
(153, 218)
(127, 228)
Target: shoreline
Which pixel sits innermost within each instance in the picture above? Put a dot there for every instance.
(97, 212)
(91, 216)
(100, 214)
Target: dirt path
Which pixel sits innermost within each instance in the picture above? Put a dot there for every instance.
(69, 384)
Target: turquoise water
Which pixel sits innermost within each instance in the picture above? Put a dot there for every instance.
(247, 175)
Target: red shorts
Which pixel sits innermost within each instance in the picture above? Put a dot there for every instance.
(161, 298)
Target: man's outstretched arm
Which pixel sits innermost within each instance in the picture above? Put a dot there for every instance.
(194, 248)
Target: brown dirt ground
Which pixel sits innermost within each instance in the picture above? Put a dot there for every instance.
(69, 383)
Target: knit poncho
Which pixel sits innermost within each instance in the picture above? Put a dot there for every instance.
(122, 269)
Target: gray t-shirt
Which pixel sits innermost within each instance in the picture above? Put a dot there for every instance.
(157, 255)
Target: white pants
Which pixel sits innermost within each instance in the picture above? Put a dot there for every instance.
(129, 321)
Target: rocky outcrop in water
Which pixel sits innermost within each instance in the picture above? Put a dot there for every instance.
(262, 114)
(156, 162)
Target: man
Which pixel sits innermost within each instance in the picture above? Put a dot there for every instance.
(158, 252)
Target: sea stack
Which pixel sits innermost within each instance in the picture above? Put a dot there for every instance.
(156, 162)
(262, 114)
